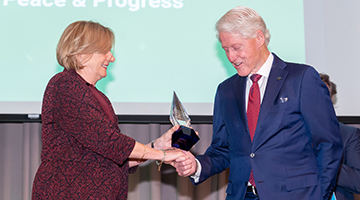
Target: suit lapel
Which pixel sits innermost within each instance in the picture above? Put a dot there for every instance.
(276, 79)
(239, 92)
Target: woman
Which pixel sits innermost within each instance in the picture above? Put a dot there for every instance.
(84, 155)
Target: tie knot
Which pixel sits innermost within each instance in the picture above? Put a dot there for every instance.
(255, 78)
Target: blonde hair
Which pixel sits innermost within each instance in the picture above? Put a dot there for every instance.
(244, 21)
(83, 37)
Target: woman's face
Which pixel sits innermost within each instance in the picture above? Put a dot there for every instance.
(96, 67)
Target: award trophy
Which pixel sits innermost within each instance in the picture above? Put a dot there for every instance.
(185, 137)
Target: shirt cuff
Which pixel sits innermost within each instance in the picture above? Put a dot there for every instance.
(196, 176)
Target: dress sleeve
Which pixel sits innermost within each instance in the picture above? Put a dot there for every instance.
(78, 113)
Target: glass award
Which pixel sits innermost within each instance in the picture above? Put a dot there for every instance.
(185, 137)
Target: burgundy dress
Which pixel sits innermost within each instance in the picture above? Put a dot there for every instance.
(84, 155)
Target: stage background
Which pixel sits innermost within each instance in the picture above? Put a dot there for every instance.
(160, 48)
(170, 45)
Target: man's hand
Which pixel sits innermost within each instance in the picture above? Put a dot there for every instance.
(185, 167)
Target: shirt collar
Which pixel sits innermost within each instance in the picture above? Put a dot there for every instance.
(264, 70)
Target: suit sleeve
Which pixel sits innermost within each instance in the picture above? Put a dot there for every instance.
(80, 116)
(320, 119)
(349, 174)
(216, 158)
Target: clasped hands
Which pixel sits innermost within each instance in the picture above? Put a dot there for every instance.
(183, 161)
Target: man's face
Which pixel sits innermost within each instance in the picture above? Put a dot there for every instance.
(244, 54)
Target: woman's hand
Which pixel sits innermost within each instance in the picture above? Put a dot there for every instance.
(164, 142)
(174, 154)
(170, 156)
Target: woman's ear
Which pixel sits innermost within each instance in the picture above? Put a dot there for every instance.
(80, 57)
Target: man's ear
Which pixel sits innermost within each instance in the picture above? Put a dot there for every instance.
(260, 38)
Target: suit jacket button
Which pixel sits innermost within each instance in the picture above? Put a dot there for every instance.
(252, 155)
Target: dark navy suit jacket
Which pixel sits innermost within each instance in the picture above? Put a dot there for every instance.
(349, 175)
(296, 150)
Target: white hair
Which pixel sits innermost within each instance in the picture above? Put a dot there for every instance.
(244, 21)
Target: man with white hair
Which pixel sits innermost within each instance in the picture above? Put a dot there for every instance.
(274, 124)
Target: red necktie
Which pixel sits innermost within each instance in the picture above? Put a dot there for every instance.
(253, 110)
